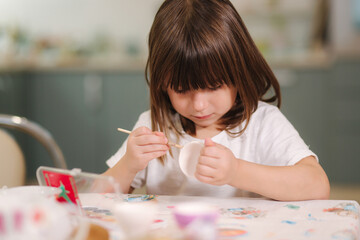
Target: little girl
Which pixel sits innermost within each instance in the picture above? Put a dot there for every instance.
(209, 82)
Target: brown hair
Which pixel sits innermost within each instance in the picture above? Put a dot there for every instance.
(200, 44)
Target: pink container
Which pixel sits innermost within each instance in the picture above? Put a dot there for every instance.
(186, 213)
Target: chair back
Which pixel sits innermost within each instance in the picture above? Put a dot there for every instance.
(10, 151)
(37, 132)
(12, 163)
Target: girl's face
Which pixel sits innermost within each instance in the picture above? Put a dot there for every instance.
(203, 106)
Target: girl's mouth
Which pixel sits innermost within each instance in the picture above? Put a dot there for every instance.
(203, 117)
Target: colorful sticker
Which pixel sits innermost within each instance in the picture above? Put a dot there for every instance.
(98, 213)
(291, 206)
(344, 209)
(242, 213)
(139, 198)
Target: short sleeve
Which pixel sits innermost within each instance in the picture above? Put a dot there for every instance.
(117, 156)
(279, 142)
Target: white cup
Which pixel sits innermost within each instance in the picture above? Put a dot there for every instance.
(135, 219)
(189, 156)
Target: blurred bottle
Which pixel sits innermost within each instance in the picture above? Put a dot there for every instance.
(356, 13)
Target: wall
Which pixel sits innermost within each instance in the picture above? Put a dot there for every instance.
(322, 104)
(82, 120)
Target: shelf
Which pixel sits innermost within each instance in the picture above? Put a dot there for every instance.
(310, 60)
(131, 65)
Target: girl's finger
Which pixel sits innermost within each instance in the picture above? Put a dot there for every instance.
(150, 139)
(141, 131)
(154, 148)
(159, 133)
(211, 151)
(204, 179)
(204, 170)
(208, 161)
(154, 155)
(209, 142)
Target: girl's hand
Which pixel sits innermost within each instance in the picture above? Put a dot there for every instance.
(217, 165)
(144, 145)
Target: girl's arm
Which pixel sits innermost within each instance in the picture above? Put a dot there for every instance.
(143, 145)
(302, 181)
(122, 176)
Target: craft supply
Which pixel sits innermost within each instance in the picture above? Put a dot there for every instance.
(135, 219)
(31, 212)
(189, 156)
(169, 143)
(139, 198)
(187, 212)
(90, 231)
(33, 190)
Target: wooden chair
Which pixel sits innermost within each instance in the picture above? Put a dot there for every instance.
(12, 164)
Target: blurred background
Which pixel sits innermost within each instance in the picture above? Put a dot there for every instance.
(77, 69)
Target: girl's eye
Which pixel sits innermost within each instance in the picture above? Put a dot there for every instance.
(215, 88)
(181, 91)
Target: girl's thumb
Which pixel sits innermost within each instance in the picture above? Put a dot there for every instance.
(209, 142)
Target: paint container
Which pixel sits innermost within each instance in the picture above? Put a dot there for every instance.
(198, 220)
(33, 191)
(135, 218)
(189, 156)
(24, 217)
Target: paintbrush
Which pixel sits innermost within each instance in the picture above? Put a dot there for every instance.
(169, 143)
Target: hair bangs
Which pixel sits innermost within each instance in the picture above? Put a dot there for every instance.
(197, 68)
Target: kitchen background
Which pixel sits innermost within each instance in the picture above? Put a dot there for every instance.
(77, 69)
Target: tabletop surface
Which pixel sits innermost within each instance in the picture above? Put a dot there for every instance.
(243, 218)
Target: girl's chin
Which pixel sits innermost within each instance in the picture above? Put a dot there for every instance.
(203, 124)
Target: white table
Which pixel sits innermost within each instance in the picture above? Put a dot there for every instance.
(244, 218)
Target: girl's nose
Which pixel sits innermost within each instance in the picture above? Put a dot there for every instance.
(199, 101)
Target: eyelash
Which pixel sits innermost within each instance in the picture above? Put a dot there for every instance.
(181, 91)
(215, 88)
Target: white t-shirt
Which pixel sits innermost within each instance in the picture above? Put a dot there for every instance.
(269, 139)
